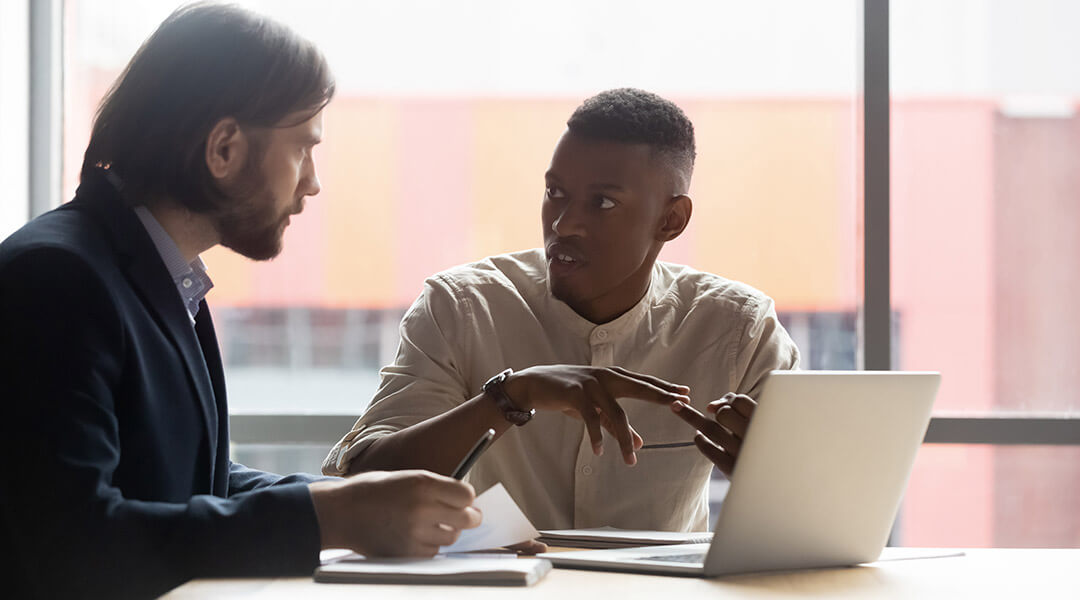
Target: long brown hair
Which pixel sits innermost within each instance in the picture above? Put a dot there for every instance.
(205, 62)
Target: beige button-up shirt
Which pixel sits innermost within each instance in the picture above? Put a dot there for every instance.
(471, 322)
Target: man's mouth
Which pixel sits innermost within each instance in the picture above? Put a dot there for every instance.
(563, 259)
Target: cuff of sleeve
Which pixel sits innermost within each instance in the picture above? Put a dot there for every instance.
(342, 454)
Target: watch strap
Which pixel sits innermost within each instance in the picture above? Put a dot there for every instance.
(494, 388)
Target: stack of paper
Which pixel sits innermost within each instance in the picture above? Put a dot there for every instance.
(438, 570)
(610, 537)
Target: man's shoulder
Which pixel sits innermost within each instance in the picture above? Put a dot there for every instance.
(687, 286)
(64, 234)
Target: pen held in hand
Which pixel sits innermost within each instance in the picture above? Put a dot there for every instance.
(470, 458)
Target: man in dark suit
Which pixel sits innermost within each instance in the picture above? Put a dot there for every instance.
(117, 479)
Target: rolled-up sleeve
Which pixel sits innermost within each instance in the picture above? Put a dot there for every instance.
(425, 379)
(763, 346)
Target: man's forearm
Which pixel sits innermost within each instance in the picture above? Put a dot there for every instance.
(437, 444)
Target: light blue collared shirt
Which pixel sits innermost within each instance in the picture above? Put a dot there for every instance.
(190, 279)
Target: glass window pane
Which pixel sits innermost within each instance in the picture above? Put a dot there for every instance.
(985, 210)
(975, 496)
(436, 145)
(985, 224)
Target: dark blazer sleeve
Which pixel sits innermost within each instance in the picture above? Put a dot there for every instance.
(72, 532)
(242, 479)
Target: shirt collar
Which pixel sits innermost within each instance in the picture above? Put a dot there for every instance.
(616, 327)
(190, 279)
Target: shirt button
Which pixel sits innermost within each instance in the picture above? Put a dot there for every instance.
(601, 334)
(586, 470)
(186, 282)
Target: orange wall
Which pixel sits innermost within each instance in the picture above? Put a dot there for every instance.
(411, 187)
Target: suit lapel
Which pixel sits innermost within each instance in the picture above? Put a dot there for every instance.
(149, 277)
(204, 329)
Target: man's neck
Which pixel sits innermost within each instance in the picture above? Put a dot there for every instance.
(192, 233)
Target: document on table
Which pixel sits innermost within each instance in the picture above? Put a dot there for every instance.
(503, 524)
(438, 570)
(611, 537)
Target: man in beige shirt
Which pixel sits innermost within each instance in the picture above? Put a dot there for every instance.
(609, 326)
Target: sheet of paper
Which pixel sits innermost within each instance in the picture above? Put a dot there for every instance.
(504, 524)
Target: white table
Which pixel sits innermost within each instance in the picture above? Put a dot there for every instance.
(981, 573)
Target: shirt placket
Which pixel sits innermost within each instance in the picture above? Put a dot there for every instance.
(587, 470)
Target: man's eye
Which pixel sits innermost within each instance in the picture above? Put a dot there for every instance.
(553, 192)
(605, 203)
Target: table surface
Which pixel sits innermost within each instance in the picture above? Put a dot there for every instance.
(980, 573)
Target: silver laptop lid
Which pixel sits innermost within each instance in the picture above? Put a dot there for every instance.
(823, 468)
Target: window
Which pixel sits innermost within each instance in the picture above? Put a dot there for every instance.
(436, 145)
(985, 226)
(445, 119)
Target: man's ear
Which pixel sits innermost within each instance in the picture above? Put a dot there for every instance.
(226, 149)
(676, 218)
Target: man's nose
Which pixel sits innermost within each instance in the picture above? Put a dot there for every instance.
(569, 221)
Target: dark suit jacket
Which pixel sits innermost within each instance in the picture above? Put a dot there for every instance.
(117, 479)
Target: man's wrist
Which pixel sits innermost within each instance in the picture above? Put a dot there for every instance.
(508, 402)
(515, 387)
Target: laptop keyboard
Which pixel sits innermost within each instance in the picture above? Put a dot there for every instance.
(695, 557)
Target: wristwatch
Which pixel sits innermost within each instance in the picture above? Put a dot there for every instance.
(494, 388)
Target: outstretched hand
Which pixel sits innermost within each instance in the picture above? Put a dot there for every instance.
(590, 393)
(721, 437)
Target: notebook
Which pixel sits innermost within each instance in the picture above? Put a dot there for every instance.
(510, 571)
(611, 537)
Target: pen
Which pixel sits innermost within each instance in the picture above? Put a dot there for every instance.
(470, 458)
(671, 445)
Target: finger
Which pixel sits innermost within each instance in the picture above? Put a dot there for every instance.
(475, 517)
(425, 550)
(529, 547)
(724, 400)
(715, 432)
(615, 420)
(622, 386)
(466, 518)
(635, 436)
(745, 405)
(437, 535)
(674, 388)
(732, 421)
(451, 492)
(592, 426)
(723, 461)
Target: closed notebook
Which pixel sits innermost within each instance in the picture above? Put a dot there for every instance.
(611, 537)
(436, 571)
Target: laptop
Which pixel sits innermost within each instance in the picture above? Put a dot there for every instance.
(817, 484)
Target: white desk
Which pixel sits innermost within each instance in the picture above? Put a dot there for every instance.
(981, 574)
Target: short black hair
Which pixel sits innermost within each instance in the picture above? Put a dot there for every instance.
(205, 62)
(633, 116)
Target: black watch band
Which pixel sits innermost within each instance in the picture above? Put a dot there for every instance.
(494, 388)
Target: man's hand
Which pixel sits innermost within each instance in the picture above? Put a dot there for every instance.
(590, 394)
(721, 437)
(399, 513)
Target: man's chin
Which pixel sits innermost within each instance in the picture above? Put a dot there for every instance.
(260, 249)
(563, 290)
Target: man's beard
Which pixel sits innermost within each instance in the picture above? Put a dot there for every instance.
(250, 229)
(247, 223)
